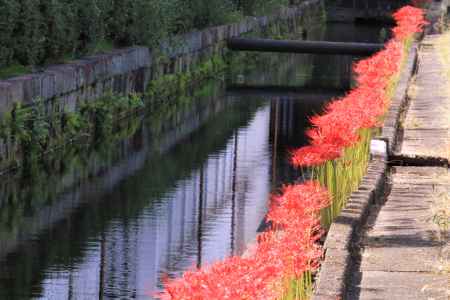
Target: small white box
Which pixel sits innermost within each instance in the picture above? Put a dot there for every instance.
(378, 148)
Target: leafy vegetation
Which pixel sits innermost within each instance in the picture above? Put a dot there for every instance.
(28, 131)
(13, 70)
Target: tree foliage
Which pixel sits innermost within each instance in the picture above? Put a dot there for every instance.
(9, 14)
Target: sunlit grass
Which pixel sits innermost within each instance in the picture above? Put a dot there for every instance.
(441, 210)
(343, 176)
(299, 288)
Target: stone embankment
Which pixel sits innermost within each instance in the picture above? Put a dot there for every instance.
(130, 70)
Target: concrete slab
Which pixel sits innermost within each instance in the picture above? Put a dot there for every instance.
(413, 257)
(402, 249)
(426, 126)
(400, 286)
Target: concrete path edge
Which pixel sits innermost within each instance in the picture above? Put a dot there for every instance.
(341, 244)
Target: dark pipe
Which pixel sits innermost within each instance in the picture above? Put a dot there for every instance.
(315, 47)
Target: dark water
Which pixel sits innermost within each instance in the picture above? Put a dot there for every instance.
(177, 189)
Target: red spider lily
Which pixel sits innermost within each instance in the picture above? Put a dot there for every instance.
(294, 213)
(297, 202)
(233, 278)
(376, 71)
(409, 20)
(361, 107)
(313, 155)
(293, 256)
(325, 135)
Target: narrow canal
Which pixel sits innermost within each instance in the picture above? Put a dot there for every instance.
(175, 190)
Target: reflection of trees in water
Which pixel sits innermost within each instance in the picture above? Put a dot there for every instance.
(94, 202)
(337, 70)
(288, 119)
(24, 194)
(189, 226)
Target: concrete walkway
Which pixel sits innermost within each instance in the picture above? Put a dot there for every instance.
(405, 254)
(426, 127)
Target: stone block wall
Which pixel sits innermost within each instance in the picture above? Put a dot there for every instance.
(130, 70)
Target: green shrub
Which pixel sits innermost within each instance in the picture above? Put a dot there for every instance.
(89, 25)
(60, 34)
(9, 14)
(202, 13)
(29, 34)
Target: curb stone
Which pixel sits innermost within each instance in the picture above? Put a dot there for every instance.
(341, 244)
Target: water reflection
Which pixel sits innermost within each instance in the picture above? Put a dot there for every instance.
(174, 190)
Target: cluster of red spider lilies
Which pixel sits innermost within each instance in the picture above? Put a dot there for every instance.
(286, 253)
(285, 257)
(339, 139)
(338, 128)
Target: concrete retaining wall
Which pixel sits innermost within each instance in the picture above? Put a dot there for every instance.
(130, 70)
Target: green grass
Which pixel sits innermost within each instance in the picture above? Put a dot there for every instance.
(299, 288)
(103, 46)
